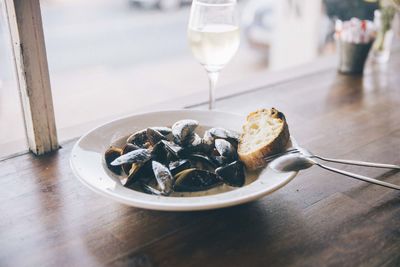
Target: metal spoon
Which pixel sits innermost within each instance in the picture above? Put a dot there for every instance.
(297, 162)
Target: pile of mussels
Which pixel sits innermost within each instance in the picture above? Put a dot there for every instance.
(160, 160)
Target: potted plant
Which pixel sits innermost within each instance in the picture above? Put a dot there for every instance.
(383, 18)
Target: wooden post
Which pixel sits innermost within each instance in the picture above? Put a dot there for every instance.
(26, 30)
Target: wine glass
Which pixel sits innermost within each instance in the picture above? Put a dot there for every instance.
(213, 34)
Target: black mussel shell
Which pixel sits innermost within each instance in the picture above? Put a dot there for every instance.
(128, 147)
(160, 153)
(226, 149)
(203, 162)
(224, 134)
(139, 138)
(176, 150)
(154, 136)
(195, 140)
(208, 138)
(194, 145)
(182, 131)
(139, 173)
(136, 156)
(232, 174)
(110, 155)
(207, 142)
(163, 130)
(192, 180)
(126, 167)
(179, 165)
(219, 160)
(164, 178)
(151, 190)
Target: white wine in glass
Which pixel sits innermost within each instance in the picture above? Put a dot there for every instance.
(213, 34)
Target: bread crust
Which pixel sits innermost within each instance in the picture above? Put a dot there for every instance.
(256, 159)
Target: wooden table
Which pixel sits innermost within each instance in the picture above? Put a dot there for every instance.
(48, 218)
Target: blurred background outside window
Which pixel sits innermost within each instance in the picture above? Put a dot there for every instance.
(111, 58)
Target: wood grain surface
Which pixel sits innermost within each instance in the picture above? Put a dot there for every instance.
(48, 218)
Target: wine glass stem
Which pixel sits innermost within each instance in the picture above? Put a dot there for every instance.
(212, 78)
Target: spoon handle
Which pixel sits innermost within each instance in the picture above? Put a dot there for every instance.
(359, 163)
(359, 177)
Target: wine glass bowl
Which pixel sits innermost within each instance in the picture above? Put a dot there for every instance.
(213, 34)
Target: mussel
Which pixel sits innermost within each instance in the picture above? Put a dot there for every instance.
(164, 178)
(163, 130)
(201, 161)
(139, 173)
(126, 167)
(224, 134)
(225, 149)
(160, 160)
(151, 190)
(207, 142)
(110, 155)
(208, 138)
(139, 138)
(128, 147)
(192, 180)
(176, 150)
(160, 153)
(182, 131)
(179, 165)
(154, 136)
(232, 174)
(219, 160)
(136, 156)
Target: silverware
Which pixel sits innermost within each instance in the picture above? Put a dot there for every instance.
(297, 162)
(308, 154)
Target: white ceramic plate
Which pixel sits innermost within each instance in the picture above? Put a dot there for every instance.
(88, 165)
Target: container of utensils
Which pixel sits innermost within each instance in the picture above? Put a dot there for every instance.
(354, 39)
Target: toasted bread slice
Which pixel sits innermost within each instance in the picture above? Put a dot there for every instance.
(264, 133)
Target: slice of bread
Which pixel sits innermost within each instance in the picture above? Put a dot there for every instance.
(264, 133)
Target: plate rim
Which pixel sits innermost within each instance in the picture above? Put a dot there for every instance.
(165, 206)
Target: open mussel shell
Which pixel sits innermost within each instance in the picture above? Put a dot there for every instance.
(232, 174)
(176, 150)
(139, 173)
(201, 161)
(154, 136)
(182, 131)
(160, 153)
(222, 133)
(208, 138)
(126, 149)
(166, 131)
(226, 149)
(195, 145)
(151, 190)
(139, 138)
(193, 180)
(219, 160)
(109, 156)
(136, 156)
(179, 165)
(207, 142)
(126, 167)
(164, 178)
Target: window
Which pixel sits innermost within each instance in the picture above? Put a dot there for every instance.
(113, 58)
(12, 132)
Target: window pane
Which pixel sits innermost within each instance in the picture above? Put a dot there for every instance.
(113, 58)
(12, 132)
